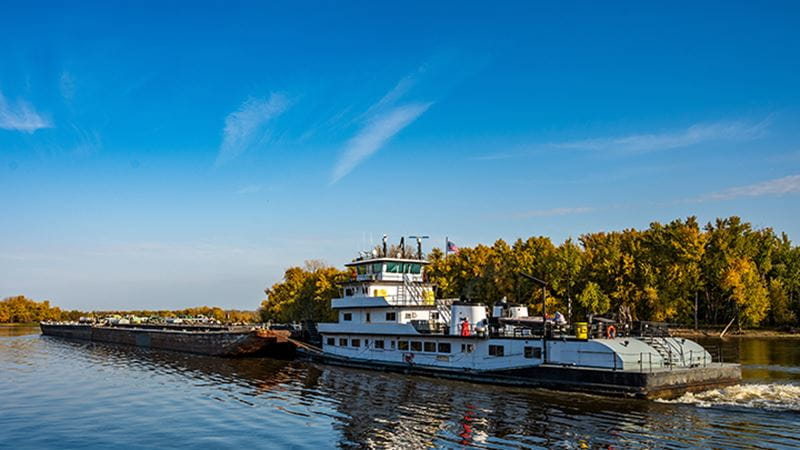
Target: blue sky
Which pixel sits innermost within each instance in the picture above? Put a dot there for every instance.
(158, 156)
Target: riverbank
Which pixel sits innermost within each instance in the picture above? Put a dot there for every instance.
(715, 332)
(19, 325)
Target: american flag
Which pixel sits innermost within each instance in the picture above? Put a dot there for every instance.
(451, 247)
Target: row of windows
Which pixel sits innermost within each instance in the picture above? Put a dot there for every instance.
(404, 268)
(378, 344)
(414, 346)
(428, 347)
(390, 317)
(431, 347)
(392, 267)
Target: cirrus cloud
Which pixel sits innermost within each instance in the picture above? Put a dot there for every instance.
(21, 116)
(246, 126)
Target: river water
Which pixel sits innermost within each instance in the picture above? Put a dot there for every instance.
(58, 394)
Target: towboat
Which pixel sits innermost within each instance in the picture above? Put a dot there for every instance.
(390, 319)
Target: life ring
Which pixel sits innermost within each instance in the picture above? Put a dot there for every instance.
(611, 332)
(408, 358)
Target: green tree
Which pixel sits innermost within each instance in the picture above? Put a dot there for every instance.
(593, 299)
(779, 308)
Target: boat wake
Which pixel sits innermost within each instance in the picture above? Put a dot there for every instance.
(778, 397)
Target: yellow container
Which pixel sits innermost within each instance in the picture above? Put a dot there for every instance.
(581, 330)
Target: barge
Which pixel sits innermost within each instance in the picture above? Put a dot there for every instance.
(225, 341)
(389, 319)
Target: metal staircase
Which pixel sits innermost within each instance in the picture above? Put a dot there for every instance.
(410, 292)
(669, 354)
(443, 308)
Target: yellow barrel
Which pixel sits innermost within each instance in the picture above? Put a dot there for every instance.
(581, 330)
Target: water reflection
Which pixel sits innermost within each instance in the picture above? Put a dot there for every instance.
(153, 398)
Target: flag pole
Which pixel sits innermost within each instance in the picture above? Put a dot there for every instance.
(446, 246)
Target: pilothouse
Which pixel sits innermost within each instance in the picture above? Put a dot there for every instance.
(389, 318)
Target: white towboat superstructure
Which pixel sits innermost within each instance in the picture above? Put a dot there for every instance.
(389, 318)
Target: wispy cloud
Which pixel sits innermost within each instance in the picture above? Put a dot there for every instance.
(552, 212)
(778, 186)
(245, 126)
(20, 116)
(650, 142)
(374, 135)
(66, 84)
(251, 189)
(693, 135)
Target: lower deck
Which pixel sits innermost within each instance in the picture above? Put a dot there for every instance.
(486, 354)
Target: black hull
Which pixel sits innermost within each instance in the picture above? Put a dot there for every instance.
(661, 384)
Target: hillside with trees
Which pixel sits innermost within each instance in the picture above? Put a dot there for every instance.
(731, 269)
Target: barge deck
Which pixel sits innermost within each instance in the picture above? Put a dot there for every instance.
(226, 341)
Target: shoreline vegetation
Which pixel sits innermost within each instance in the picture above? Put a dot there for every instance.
(21, 311)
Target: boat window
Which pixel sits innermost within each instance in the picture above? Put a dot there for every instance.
(430, 346)
(342, 342)
(408, 315)
(368, 317)
(467, 348)
(402, 345)
(377, 268)
(416, 268)
(533, 352)
(391, 317)
(392, 267)
(444, 347)
(361, 270)
(347, 316)
(355, 342)
(434, 316)
(416, 346)
(392, 344)
(348, 292)
(331, 341)
(379, 344)
(497, 350)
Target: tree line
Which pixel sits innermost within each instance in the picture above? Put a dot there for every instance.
(728, 268)
(20, 309)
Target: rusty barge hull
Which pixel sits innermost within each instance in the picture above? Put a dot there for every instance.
(225, 342)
